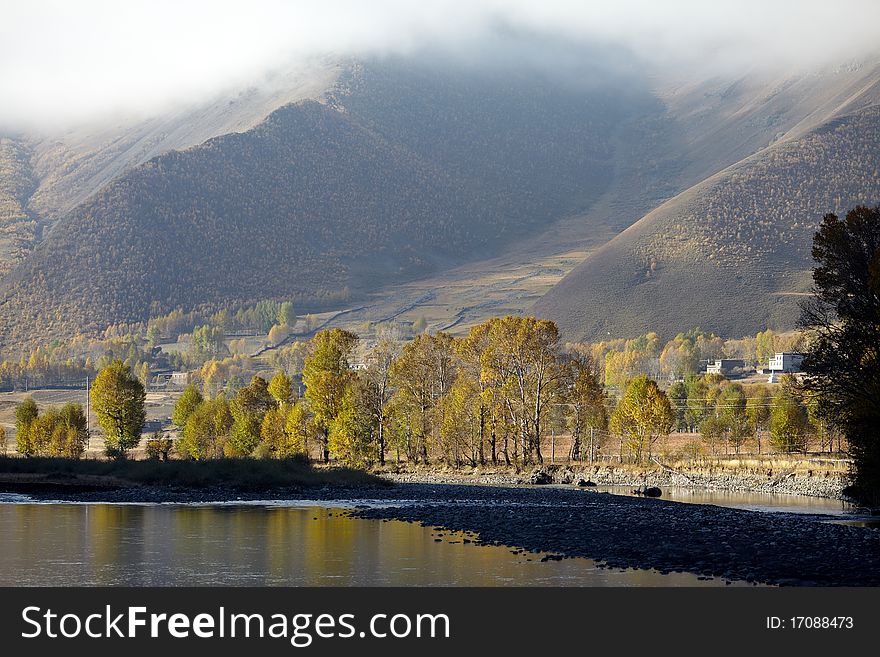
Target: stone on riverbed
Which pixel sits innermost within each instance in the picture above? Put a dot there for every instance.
(540, 477)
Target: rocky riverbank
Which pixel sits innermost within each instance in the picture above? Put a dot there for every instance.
(788, 481)
(629, 532)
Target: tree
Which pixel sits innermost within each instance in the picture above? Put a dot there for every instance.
(298, 429)
(643, 415)
(286, 316)
(118, 401)
(758, 412)
(588, 419)
(206, 342)
(281, 388)
(207, 430)
(2, 440)
(25, 414)
(74, 438)
(678, 396)
(378, 377)
(422, 375)
(353, 429)
(765, 347)
(278, 334)
(159, 446)
(789, 424)
(249, 408)
(522, 363)
(326, 374)
(185, 405)
(843, 319)
(731, 409)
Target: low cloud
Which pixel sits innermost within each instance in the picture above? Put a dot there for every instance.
(66, 62)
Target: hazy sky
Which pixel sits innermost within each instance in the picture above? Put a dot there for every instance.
(64, 61)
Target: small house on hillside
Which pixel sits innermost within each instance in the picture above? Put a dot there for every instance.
(725, 366)
(785, 362)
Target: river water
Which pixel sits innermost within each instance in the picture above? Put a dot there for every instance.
(266, 545)
(294, 544)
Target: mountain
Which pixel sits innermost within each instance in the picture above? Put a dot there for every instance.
(732, 253)
(347, 183)
(45, 174)
(400, 168)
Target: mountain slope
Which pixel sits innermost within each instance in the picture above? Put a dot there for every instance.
(731, 254)
(54, 171)
(322, 199)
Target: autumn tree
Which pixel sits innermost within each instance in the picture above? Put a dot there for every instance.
(118, 402)
(353, 430)
(25, 414)
(588, 417)
(422, 375)
(185, 405)
(522, 361)
(281, 388)
(378, 377)
(326, 373)
(765, 347)
(643, 415)
(248, 408)
(207, 430)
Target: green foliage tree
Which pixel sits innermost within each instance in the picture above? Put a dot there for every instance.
(206, 342)
(249, 408)
(731, 410)
(643, 415)
(207, 430)
(326, 374)
(25, 414)
(789, 423)
(186, 404)
(765, 347)
(3, 446)
(118, 402)
(286, 315)
(281, 388)
(353, 430)
(758, 412)
(843, 361)
(678, 397)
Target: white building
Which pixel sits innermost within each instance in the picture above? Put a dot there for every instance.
(785, 362)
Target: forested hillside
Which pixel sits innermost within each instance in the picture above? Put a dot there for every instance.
(399, 170)
(17, 226)
(732, 254)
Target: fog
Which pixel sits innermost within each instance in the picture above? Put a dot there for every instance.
(66, 62)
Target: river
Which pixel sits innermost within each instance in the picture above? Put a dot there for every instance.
(292, 544)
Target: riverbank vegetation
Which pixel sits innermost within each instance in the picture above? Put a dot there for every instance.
(42, 473)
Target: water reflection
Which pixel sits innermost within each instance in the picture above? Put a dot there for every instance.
(769, 502)
(170, 545)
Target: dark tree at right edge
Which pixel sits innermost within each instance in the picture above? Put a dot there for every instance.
(843, 318)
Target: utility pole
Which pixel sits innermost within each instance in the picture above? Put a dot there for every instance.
(88, 411)
(552, 446)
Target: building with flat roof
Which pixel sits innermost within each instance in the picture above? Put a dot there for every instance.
(785, 362)
(725, 366)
